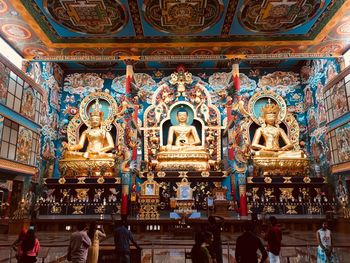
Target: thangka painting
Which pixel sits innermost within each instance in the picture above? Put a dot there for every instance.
(342, 135)
(24, 144)
(339, 99)
(54, 96)
(4, 78)
(28, 103)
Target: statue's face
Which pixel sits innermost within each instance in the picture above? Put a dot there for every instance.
(270, 118)
(95, 121)
(182, 116)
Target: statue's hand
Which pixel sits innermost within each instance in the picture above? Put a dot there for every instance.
(67, 147)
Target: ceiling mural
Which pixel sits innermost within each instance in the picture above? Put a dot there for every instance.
(170, 27)
(278, 16)
(94, 17)
(182, 17)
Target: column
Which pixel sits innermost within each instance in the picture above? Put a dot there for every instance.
(235, 73)
(124, 211)
(129, 75)
(243, 211)
(125, 173)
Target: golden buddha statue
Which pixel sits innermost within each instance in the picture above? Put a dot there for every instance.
(271, 134)
(183, 150)
(186, 136)
(100, 141)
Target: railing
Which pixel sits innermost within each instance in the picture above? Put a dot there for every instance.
(172, 252)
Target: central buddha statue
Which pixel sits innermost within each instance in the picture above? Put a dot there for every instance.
(185, 135)
(183, 150)
(271, 134)
(100, 141)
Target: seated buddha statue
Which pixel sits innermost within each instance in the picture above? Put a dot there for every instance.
(271, 134)
(185, 135)
(184, 150)
(100, 141)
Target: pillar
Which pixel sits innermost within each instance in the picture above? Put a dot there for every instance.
(125, 173)
(129, 75)
(124, 211)
(235, 73)
(243, 211)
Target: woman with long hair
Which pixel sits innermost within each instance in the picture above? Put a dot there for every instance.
(30, 247)
(95, 235)
(18, 244)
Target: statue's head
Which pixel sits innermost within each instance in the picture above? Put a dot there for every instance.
(182, 116)
(270, 113)
(96, 115)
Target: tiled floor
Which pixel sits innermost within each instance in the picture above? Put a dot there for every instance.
(300, 245)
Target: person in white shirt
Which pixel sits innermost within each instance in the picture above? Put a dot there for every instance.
(325, 253)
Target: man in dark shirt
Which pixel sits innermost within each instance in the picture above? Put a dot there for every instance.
(122, 238)
(274, 238)
(215, 225)
(247, 246)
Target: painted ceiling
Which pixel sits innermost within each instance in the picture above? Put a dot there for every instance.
(175, 27)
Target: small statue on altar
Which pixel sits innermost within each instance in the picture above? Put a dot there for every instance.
(185, 135)
(65, 195)
(271, 134)
(100, 141)
(98, 195)
(113, 196)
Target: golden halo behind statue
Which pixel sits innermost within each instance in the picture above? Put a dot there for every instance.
(100, 98)
(259, 99)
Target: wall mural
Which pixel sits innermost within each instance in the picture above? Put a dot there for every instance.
(343, 142)
(50, 76)
(4, 78)
(314, 76)
(28, 103)
(24, 145)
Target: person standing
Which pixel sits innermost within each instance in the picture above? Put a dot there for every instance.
(325, 253)
(95, 235)
(273, 238)
(79, 245)
(215, 225)
(247, 245)
(122, 239)
(30, 247)
(17, 245)
(200, 252)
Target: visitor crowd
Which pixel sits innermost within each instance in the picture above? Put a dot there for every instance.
(84, 244)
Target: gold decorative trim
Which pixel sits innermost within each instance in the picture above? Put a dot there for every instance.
(287, 180)
(62, 180)
(81, 180)
(183, 174)
(161, 174)
(268, 180)
(100, 180)
(205, 174)
(17, 167)
(307, 180)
